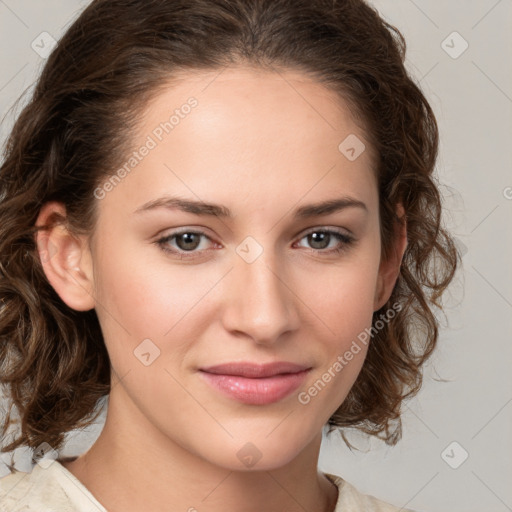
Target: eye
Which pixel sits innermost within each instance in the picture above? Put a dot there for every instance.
(187, 241)
(320, 238)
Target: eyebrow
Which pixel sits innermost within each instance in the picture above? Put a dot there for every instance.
(217, 210)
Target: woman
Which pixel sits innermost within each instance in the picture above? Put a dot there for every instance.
(286, 144)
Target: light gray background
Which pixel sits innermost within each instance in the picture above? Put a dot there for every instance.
(472, 98)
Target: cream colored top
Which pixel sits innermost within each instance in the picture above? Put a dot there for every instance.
(52, 488)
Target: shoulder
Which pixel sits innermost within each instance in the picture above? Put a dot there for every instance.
(45, 488)
(350, 498)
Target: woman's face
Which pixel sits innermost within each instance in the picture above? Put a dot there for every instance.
(254, 286)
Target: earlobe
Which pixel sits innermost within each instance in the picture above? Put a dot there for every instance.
(64, 258)
(389, 270)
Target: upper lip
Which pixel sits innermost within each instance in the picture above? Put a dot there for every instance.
(251, 370)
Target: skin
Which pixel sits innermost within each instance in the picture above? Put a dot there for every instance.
(262, 144)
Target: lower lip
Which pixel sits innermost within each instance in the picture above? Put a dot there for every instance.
(260, 391)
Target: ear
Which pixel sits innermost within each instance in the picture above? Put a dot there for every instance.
(65, 258)
(390, 269)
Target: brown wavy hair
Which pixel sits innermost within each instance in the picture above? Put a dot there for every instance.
(77, 128)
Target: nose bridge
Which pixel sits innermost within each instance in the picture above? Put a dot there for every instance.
(262, 305)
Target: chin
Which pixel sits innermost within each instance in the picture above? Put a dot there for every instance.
(261, 454)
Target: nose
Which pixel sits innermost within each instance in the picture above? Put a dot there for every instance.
(261, 303)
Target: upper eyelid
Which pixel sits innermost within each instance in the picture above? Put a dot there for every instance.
(342, 231)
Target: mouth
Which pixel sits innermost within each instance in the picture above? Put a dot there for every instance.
(255, 384)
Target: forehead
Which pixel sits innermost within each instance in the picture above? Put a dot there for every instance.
(255, 132)
(231, 94)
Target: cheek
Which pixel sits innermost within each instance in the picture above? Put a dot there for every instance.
(146, 298)
(168, 304)
(341, 296)
(342, 301)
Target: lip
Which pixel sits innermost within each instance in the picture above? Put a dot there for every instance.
(254, 371)
(254, 384)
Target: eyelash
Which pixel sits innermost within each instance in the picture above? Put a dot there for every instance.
(346, 240)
